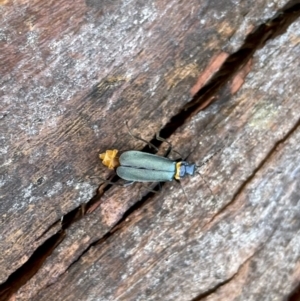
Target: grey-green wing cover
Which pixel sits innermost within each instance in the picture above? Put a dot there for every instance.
(147, 161)
(144, 167)
(144, 175)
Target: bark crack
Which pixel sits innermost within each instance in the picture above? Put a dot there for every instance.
(18, 278)
(239, 270)
(255, 171)
(235, 62)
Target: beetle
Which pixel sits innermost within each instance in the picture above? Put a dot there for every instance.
(137, 166)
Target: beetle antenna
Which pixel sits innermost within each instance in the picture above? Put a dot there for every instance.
(208, 159)
(205, 183)
(203, 163)
(139, 138)
(184, 192)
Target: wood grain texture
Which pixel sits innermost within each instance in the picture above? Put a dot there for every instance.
(71, 73)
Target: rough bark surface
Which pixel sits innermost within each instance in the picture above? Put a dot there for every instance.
(73, 72)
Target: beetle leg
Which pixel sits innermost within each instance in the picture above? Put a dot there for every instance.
(170, 146)
(153, 190)
(139, 138)
(128, 183)
(112, 183)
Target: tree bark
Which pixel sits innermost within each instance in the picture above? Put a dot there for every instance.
(220, 80)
